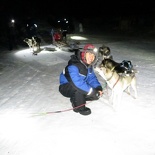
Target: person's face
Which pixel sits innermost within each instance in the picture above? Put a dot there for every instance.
(90, 57)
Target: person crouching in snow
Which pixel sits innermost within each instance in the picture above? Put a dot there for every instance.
(78, 80)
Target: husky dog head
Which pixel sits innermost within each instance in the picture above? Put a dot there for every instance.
(105, 52)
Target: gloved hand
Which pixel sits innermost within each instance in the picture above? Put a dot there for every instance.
(99, 88)
(95, 95)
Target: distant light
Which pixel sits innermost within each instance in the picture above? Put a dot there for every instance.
(78, 38)
(12, 21)
(35, 25)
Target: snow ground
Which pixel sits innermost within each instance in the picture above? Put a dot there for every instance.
(35, 119)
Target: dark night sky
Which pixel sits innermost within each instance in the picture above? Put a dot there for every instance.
(105, 12)
(96, 14)
(104, 9)
(76, 8)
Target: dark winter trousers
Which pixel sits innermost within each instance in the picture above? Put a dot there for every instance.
(76, 97)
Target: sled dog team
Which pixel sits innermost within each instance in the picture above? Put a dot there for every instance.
(120, 77)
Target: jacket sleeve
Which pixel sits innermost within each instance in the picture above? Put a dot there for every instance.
(93, 81)
(79, 81)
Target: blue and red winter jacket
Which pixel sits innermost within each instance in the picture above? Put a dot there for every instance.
(81, 76)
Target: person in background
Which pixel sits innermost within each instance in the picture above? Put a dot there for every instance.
(52, 35)
(78, 80)
(80, 27)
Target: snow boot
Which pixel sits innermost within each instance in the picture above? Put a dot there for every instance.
(82, 110)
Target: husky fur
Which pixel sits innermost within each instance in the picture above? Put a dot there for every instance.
(34, 44)
(125, 67)
(118, 83)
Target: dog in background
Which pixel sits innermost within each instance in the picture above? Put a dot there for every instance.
(116, 82)
(34, 44)
(104, 52)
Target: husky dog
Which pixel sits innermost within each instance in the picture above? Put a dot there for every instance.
(117, 82)
(125, 67)
(105, 52)
(34, 44)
